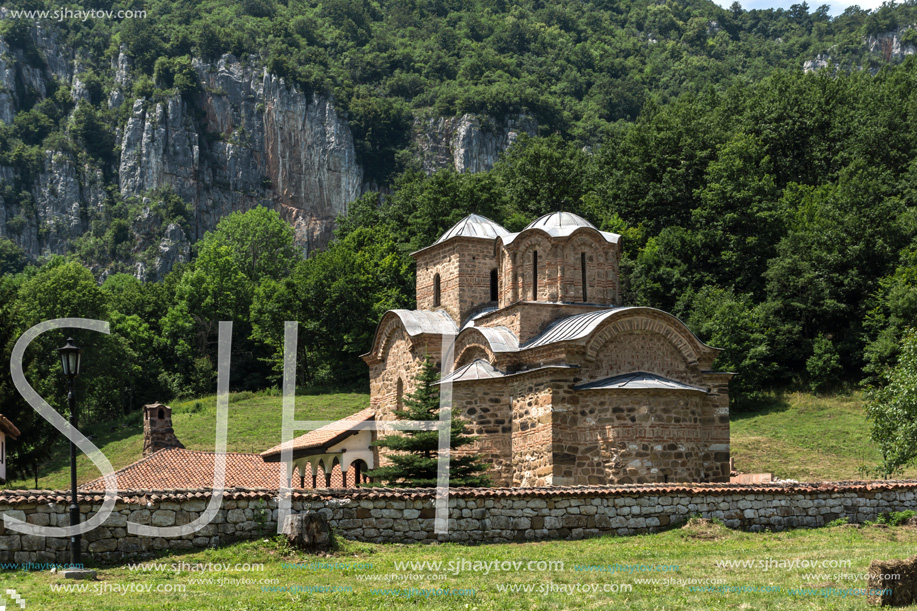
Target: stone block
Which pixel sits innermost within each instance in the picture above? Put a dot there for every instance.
(33, 543)
(163, 517)
(103, 545)
(196, 506)
(11, 543)
(39, 519)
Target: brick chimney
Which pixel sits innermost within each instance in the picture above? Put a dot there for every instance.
(157, 429)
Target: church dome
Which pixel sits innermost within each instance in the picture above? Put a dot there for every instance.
(566, 222)
(474, 226)
(561, 225)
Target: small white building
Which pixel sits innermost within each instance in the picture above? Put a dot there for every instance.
(335, 449)
(8, 432)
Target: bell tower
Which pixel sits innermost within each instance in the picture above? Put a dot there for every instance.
(458, 273)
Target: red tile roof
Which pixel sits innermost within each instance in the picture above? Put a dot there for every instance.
(18, 497)
(178, 468)
(321, 437)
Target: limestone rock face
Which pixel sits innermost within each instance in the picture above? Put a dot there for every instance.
(814, 65)
(245, 138)
(890, 45)
(174, 248)
(260, 143)
(468, 143)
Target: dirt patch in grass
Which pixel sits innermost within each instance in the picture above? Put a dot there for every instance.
(704, 529)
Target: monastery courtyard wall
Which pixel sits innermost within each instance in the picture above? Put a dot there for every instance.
(476, 515)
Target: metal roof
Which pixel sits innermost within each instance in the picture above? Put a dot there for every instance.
(559, 219)
(500, 338)
(476, 370)
(561, 225)
(571, 327)
(639, 380)
(474, 226)
(417, 322)
(483, 312)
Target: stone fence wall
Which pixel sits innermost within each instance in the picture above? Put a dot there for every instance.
(476, 516)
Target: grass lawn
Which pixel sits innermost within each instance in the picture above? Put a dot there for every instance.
(805, 437)
(690, 554)
(253, 426)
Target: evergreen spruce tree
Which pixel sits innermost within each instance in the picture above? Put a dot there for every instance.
(414, 460)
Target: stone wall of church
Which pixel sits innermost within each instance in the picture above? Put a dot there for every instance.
(642, 351)
(484, 404)
(402, 361)
(531, 405)
(638, 436)
(559, 269)
(464, 266)
(442, 260)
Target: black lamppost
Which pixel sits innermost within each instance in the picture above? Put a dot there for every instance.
(70, 359)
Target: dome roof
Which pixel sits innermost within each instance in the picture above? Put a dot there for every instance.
(561, 225)
(559, 219)
(474, 226)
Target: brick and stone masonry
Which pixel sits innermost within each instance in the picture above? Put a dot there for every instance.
(158, 433)
(539, 311)
(476, 515)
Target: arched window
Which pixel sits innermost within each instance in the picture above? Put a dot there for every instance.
(162, 413)
(493, 285)
(534, 275)
(399, 395)
(436, 292)
(582, 261)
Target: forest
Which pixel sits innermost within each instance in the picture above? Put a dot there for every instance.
(770, 209)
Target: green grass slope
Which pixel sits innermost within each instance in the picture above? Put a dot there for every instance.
(253, 426)
(805, 437)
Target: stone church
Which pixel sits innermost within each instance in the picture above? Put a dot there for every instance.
(561, 384)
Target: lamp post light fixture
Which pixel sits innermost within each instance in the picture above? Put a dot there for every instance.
(70, 360)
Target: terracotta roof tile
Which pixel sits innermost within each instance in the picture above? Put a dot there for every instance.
(321, 436)
(17, 497)
(178, 468)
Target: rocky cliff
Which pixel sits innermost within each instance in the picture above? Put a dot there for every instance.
(882, 48)
(467, 143)
(244, 138)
